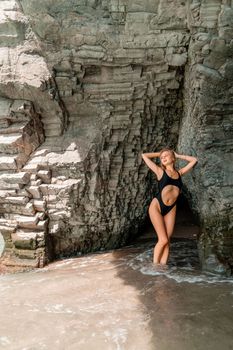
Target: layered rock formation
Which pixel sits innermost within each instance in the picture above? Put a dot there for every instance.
(106, 81)
(208, 108)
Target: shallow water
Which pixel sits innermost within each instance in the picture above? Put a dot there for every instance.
(118, 300)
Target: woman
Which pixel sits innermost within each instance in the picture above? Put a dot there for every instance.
(162, 210)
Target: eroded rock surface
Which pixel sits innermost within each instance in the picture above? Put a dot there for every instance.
(208, 112)
(108, 80)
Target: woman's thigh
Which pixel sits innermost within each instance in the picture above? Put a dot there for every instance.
(158, 220)
(169, 220)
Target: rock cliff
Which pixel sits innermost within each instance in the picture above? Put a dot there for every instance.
(87, 86)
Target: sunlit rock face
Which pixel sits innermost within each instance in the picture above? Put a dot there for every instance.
(106, 81)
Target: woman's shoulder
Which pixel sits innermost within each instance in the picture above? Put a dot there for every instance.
(179, 171)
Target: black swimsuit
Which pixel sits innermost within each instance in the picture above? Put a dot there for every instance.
(163, 182)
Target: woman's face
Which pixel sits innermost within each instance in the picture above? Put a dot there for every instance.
(167, 158)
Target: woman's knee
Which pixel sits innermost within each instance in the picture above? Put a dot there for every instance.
(163, 241)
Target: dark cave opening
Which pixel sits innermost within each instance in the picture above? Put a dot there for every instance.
(186, 225)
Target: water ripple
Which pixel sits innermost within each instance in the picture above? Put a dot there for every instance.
(183, 265)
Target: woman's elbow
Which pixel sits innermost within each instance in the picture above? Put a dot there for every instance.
(195, 160)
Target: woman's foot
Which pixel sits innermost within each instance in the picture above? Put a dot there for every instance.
(160, 266)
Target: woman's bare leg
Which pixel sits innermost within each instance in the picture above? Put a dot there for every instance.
(159, 226)
(169, 220)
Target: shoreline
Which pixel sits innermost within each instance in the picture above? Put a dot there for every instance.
(185, 228)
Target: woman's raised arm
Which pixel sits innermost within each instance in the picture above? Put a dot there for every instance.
(192, 161)
(154, 167)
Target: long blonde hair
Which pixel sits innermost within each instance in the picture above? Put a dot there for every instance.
(169, 150)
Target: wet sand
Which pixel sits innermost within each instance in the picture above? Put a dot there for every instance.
(119, 300)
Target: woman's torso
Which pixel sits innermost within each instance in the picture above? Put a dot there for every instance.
(169, 188)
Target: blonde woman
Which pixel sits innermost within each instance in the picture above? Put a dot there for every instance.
(162, 209)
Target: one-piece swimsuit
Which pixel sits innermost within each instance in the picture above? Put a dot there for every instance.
(163, 182)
